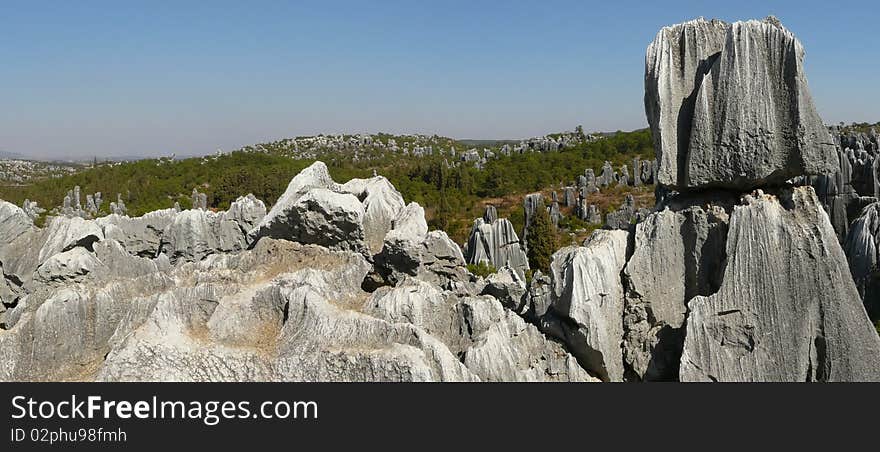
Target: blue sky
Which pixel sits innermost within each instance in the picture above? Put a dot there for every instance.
(82, 79)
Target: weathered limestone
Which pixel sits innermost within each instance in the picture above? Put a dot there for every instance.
(194, 234)
(281, 311)
(861, 249)
(32, 209)
(569, 196)
(589, 183)
(677, 255)
(587, 302)
(751, 75)
(555, 214)
(531, 203)
(625, 215)
(768, 322)
(762, 295)
(496, 244)
(319, 216)
(141, 236)
(675, 64)
(505, 348)
(855, 185)
(14, 222)
(508, 287)
(410, 250)
(382, 202)
(608, 175)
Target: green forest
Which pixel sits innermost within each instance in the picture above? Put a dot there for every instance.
(451, 196)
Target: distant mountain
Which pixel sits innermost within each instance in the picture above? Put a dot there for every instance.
(11, 155)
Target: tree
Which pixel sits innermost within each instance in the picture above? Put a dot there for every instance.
(541, 240)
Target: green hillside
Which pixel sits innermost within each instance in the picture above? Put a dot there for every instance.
(452, 197)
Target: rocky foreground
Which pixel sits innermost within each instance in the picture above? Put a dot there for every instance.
(737, 274)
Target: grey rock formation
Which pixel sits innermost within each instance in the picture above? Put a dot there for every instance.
(539, 296)
(648, 171)
(67, 266)
(509, 288)
(14, 222)
(569, 196)
(861, 248)
(624, 216)
(637, 172)
(490, 214)
(187, 235)
(608, 176)
(409, 250)
(704, 104)
(409, 224)
(677, 255)
(531, 203)
(356, 215)
(555, 214)
(623, 178)
(199, 200)
(590, 183)
(281, 311)
(505, 348)
(32, 209)
(736, 334)
(675, 64)
(118, 207)
(496, 244)
(587, 302)
(194, 234)
(729, 108)
(381, 201)
(593, 215)
(322, 217)
(855, 185)
(141, 236)
(22, 255)
(588, 212)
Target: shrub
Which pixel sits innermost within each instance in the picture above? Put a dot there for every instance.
(481, 269)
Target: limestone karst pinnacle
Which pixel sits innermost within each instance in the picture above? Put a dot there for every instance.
(729, 106)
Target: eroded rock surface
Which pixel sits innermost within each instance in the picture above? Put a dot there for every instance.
(495, 242)
(770, 321)
(729, 106)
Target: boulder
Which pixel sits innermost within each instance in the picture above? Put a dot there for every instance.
(409, 224)
(509, 288)
(23, 255)
(588, 300)
(319, 216)
(67, 266)
(13, 222)
(410, 250)
(382, 203)
(503, 347)
(729, 107)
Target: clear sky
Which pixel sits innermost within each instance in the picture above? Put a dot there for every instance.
(82, 79)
